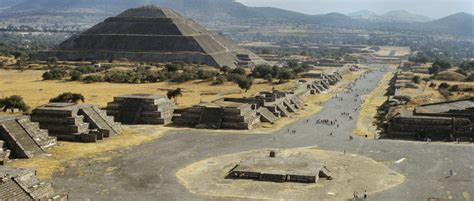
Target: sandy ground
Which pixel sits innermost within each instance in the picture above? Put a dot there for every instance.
(351, 173)
(365, 123)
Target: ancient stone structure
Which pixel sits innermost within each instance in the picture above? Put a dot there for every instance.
(21, 138)
(152, 34)
(75, 122)
(22, 184)
(219, 115)
(279, 169)
(438, 121)
(141, 109)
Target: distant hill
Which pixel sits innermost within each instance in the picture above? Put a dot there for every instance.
(459, 23)
(229, 11)
(364, 15)
(391, 16)
(403, 16)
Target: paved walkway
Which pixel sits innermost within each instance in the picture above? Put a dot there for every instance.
(147, 172)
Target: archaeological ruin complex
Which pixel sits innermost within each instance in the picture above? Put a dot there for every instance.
(75, 122)
(152, 34)
(439, 121)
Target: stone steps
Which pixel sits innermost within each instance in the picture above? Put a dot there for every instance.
(266, 115)
(21, 143)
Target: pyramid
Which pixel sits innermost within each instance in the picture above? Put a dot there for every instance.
(152, 34)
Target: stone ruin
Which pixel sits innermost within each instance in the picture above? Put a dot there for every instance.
(141, 109)
(219, 115)
(22, 184)
(75, 122)
(279, 169)
(152, 34)
(21, 138)
(438, 121)
(244, 113)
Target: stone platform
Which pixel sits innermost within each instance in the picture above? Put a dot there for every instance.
(141, 109)
(279, 169)
(75, 122)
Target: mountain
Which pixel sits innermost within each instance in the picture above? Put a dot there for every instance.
(81, 14)
(403, 16)
(459, 23)
(364, 15)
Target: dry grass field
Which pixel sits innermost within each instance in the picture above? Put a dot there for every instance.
(37, 92)
(390, 51)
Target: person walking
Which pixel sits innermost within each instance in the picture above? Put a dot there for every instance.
(365, 194)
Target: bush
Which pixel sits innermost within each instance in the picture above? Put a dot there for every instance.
(443, 85)
(184, 77)
(219, 80)
(243, 82)
(239, 70)
(93, 78)
(172, 67)
(116, 77)
(206, 74)
(416, 79)
(470, 78)
(86, 69)
(13, 102)
(54, 74)
(76, 75)
(67, 97)
(269, 78)
(261, 71)
(454, 88)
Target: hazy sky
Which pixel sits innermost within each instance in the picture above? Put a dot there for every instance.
(430, 8)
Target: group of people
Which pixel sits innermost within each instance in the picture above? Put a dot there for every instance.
(356, 194)
(326, 121)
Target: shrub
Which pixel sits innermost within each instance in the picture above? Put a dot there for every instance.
(269, 78)
(172, 67)
(239, 70)
(54, 74)
(184, 77)
(86, 69)
(470, 78)
(76, 75)
(454, 88)
(261, 71)
(67, 97)
(443, 85)
(219, 80)
(13, 102)
(116, 77)
(416, 79)
(206, 74)
(93, 78)
(432, 85)
(243, 82)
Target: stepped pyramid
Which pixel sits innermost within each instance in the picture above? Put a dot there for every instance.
(155, 34)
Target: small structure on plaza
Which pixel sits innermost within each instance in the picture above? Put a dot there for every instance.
(22, 184)
(438, 121)
(141, 109)
(21, 138)
(279, 169)
(75, 122)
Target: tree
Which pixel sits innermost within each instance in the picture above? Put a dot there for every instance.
(173, 94)
(67, 97)
(434, 70)
(172, 67)
(52, 60)
(269, 78)
(292, 64)
(244, 82)
(225, 69)
(443, 64)
(13, 102)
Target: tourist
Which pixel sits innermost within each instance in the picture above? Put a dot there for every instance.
(365, 194)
